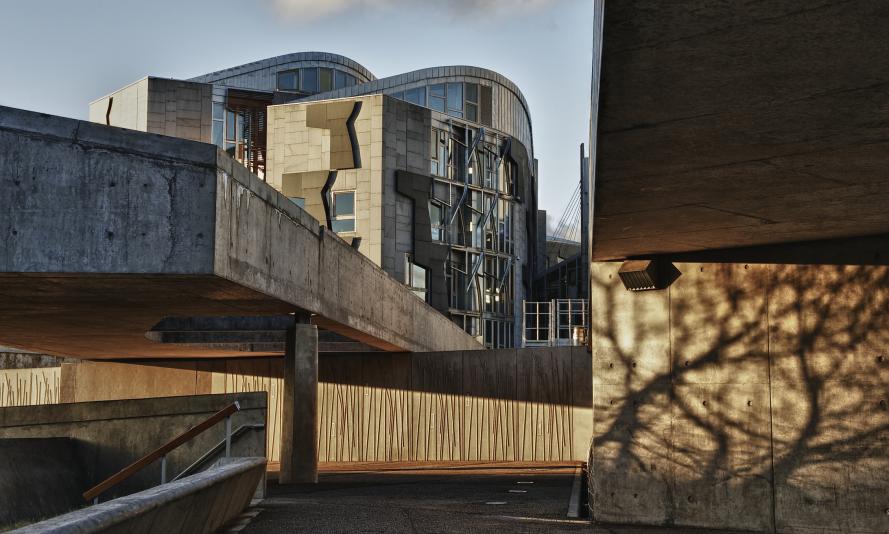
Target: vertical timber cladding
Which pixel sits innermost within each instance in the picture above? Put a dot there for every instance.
(744, 396)
(485, 405)
(507, 404)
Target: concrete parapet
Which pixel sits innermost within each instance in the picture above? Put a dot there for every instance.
(112, 434)
(199, 503)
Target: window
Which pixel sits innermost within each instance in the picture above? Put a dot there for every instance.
(288, 80)
(438, 153)
(218, 124)
(472, 101)
(455, 99)
(437, 97)
(416, 96)
(415, 277)
(326, 78)
(343, 219)
(231, 127)
(341, 79)
(437, 215)
(308, 80)
(299, 201)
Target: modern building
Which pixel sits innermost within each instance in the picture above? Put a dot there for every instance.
(431, 173)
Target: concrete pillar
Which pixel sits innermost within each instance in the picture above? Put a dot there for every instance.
(299, 440)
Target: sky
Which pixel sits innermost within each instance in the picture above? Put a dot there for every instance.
(61, 54)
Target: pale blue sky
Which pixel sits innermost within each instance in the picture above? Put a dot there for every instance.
(61, 54)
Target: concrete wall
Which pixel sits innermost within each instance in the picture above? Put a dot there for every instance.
(743, 396)
(39, 478)
(203, 503)
(406, 131)
(525, 404)
(111, 435)
(156, 105)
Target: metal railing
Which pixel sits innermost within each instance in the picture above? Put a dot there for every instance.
(210, 454)
(93, 493)
(554, 323)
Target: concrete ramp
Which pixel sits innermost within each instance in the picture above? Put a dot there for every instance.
(108, 231)
(200, 503)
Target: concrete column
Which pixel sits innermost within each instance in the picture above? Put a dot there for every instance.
(299, 440)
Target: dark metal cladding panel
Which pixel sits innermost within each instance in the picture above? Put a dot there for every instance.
(485, 105)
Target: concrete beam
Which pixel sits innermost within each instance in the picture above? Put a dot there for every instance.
(112, 230)
(299, 440)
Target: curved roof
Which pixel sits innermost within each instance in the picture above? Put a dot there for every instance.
(283, 59)
(397, 80)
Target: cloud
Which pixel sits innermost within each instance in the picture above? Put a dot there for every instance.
(307, 10)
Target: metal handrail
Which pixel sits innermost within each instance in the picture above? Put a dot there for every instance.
(216, 448)
(161, 452)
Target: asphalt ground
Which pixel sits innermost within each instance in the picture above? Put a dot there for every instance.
(435, 499)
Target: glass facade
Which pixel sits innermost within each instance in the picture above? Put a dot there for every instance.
(471, 212)
(460, 100)
(311, 80)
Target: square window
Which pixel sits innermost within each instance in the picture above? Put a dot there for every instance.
(437, 90)
(344, 203)
(288, 80)
(416, 96)
(437, 103)
(350, 80)
(309, 80)
(299, 201)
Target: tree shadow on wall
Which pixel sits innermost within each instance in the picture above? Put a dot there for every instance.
(744, 396)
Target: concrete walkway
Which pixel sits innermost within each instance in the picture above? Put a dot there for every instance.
(494, 498)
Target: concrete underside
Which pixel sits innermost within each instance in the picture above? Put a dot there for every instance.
(108, 231)
(729, 124)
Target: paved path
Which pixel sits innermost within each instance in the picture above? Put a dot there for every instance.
(475, 498)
